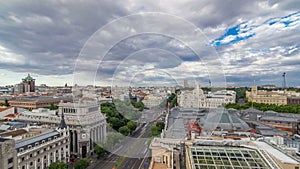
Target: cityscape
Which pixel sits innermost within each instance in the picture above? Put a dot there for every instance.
(146, 85)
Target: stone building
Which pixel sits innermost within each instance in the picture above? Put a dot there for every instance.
(85, 121)
(40, 151)
(266, 97)
(198, 99)
(8, 154)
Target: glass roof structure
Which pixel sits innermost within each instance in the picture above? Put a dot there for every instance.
(221, 119)
(214, 157)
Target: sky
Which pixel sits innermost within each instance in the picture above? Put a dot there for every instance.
(146, 42)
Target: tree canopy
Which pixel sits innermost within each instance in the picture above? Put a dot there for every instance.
(82, 164)
(58, 165)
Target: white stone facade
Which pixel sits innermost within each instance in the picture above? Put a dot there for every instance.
(198, 99)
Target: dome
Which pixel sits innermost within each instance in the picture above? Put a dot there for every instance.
(28, 78)
(221, 119)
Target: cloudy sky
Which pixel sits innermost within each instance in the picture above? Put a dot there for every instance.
(150, 42)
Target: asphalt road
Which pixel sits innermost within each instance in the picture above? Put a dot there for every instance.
(132, 153)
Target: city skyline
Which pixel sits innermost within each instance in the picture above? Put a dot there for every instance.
(255, 40)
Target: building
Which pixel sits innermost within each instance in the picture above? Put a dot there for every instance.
(35, 102)
(222, 120)
(198, 99)
(40, 151)
(266, 97)
(293, 100)
(87, 124)
(212, 152)
(151, 101)
(185, 83)
(27, 85)
(4, 111)
(8, 154)
(224, 157)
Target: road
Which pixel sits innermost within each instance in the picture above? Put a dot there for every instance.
(135, 146)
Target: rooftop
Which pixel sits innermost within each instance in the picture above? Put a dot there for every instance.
(221, 119)
(32, 140)
(225, 157)
(28, 78)
(275, 153)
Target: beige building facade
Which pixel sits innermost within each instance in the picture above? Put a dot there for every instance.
(266, 97)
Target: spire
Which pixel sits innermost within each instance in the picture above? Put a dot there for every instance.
(62, 121)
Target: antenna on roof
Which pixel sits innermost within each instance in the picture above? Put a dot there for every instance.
(284, 81)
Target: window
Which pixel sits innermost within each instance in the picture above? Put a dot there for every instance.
(29, 147)
(10, 160)
(31, 163)
(30, 155)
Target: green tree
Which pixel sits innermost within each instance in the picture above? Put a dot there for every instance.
(124, 130)
(53, 107)
(6, 103)
(115, 122)
(99, 150)
(82, 164)
(131, 125)
(58, 165)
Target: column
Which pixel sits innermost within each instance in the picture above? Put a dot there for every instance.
(100, 133)
(104, 131)
(97, 133)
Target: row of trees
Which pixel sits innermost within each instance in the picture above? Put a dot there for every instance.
(139, 105)
(157, 129)
(265, 107)
(118, 121)
(80, 164)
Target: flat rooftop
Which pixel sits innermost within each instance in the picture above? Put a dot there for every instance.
(275, 153)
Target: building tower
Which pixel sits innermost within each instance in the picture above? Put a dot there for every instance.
(283, 81)
(185, 83)
(28, 84)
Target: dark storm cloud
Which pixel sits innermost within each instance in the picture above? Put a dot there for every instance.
(46, 37)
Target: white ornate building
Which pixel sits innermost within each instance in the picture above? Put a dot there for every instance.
(151, 101)
(198, 99)
(84, 119)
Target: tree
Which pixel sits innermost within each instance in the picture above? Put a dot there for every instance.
(99, 150)
(124, 130)
(53, 107)
(6, 103)
(58, 165)
(131, 125)
(82, 164)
